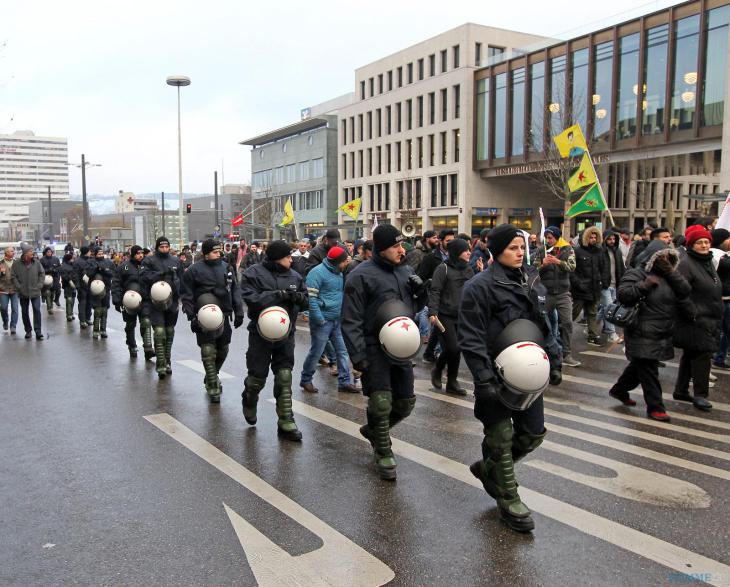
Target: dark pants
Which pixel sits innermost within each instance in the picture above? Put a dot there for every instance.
(100, 301)
(261, 354)
(450, 356)
(84, 305)
(130, 323)
(644, 372)
(563, 303)
(591, 311)
(36, 303)
(383, 374)
(694, 365)
(163, 317)
(223, 339)
(489, 411)
(721, 355)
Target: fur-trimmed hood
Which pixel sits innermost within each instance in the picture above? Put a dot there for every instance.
(588, 232)
(654, 250)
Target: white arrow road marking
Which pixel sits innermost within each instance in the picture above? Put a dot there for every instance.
(198, 366)
(654, 549)
(338, 562)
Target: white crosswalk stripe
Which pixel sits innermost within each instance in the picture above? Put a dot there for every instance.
(622, 357)
(198, 366)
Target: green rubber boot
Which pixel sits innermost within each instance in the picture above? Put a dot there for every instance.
(286, 426)
(69, 309)
(49, 301)
(102, 322)
(221, 354)
(169, 335)
(129, 338)
(380, 405)
(252, 387)
(212, 385)
(97, 322)
(149, 350)
(497, 474)
(402, 408)
(159, 332)
(524, 443)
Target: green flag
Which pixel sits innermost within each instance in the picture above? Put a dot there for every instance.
(591, 201)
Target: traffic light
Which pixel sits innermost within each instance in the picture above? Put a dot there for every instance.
(189, 208)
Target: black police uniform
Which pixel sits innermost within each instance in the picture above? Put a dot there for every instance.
(264, 285)
(162, 267)
(82, 290)
(100, 269)
(51, 266)
(387, 383)
(67, 276)
(217, 278)
(493, 299)
(126, 277)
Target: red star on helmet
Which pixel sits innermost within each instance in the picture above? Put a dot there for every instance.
(405, 325)
(282, 321)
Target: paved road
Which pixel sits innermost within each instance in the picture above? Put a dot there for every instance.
(108, 476)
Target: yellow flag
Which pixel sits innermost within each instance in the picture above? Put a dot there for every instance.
(571, 142)
(352, 209)
(584, 176)
(288, 214)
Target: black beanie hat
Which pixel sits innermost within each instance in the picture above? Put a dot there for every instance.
(333, 234)
(84, 250)
(456, 247)
(719, 236)
(209, 245)
(385, 236)
(278, 250)
(134, 250)
(161, 241)
(501, 237)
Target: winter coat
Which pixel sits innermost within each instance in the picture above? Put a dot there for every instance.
(651, 336)
(252, 259)
(211, 277)
(620, 267)
(50, 266)
(67, 273)
(415, 256)
(316, 256)
(479, 253)
(489, 303)
(590, 274)
(325, 286)
(703, 332)
(126, 274)
(6, 279)
(635, 251)
(721, 262)
(103, 269)
(159, 267)
(80, 266)
(556, 278)
(447, 285)
(28, 278)
(429, 263)
(264, 285)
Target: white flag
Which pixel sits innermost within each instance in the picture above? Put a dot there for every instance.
(542, 227)
(724, 220)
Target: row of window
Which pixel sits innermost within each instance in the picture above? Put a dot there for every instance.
(302, 171)
(52, 166)
(408, 154)
(284, 145)
(443, 192)
(310, 200)
(401, 116)
(529, 105)
(26, 173)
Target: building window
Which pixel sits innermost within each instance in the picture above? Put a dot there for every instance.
(431, 149)
(455, 139)
(344, 131)
(352, 165)
(556, 105)
(443, 189)
(378, 122)
(432, 64)
(371, 189)
(444, 105)
(279, 176)
(398, 156)
(400, 77)
(386, 193)
(344, 166)
(370, 161)
(495, 52)
(399, 117)
(518, 111)
(443, 148)
(500, 115)
(379, 154)
(352, 129)
(601, 98)
(371, 85)
(713, 87)
(579, 97)
(409, 154)
(410, 73)
(370, 125)
(387, 158)
(401, 201)
(409, 114)
(291, 173)
(420, 152)
(318, 168)
(417, 186)
(434, 192)
(453, 184)
(361, 133)
(380, 83)
(455, 51)
(390, 80)
(419, 104)
(537, 106)
(303, 170)
(457, 101)
(362, 90)
(477, 54)
(444, 61)
(628, 88)
(361, 163)
(482, 119)
(655, 80)
(420, 69)
(684, 82)
(387, 120)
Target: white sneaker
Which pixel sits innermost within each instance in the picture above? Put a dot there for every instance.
(713, 377)
(613, 337)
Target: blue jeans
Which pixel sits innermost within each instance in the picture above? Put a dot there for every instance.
(721, 355)
(608, 297)
(321, 333)
(424, 326)
(12, 299)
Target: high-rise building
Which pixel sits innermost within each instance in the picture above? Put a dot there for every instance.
(29, 166)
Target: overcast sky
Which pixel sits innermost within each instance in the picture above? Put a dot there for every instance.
(94, 72)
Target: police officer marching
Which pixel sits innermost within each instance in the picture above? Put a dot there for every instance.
(82, 286)
(274, 295)
(382, 296)
(51, 287)
(67, 275)
(506, 341)
(127, 297)
(161, 281)
(209, 296)
(100, 272)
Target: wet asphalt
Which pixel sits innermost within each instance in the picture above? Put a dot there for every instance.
(91, 493)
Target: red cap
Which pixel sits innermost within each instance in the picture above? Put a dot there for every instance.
(337, 254)
(695, 233)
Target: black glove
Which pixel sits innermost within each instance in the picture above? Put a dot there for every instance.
(662, 265)
(299, 297)
(282, 295)
(488, 390)
(416, 284)
(194, 326)
(238, 321)
(556, 377)
(118, 308)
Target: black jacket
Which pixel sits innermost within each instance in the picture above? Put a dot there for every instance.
(316, 256)
(651, 337)
(721, 262)
(127, 273)
(590, 274)
(429, 264)
(265, 284)
(555, 278)
(703, 332)
(492, 300)
(447, 285)
(101, 269)
(618, 261)
(635, 251)
(159, 267)
(67, 274)
(81, 265)
(214, 277)
(252, 259)
(366, 288)
(51, 265)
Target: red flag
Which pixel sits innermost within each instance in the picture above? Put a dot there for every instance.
(237, 221)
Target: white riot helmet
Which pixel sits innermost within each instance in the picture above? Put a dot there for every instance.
(398, 334)
(97, 287)
(521, 364)
(48, 281)
(132, 301)
(273, 324)
(161, 294)
(210, 316)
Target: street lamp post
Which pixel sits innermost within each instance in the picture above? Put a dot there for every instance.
(85, 212)
(179, 81)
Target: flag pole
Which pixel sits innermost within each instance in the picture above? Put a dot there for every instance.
(600, 189)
